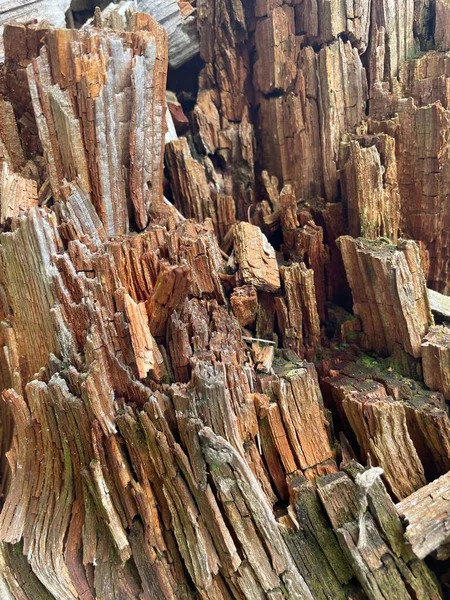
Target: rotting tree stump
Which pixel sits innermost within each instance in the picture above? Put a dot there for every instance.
(218, 303)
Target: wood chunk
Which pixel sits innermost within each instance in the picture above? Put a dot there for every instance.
(426, 514)
(192, 196)
(369, 180)
(396, 20)
(427, 421)
(291, 122)
(26, 266)
(263, 356)
(171, 289)
(251, 518)
(17, 194)
(382, 508)
(393, 306)
(300, 406)
(277, 50)
(207, 122)
(310, 247)
(383, 425)
(324, 22)
(180, 121)
(288, 214)
(299, 323)
(244, 303)
(52, 11)
(113, 16)
(196, 245)
(342, 111)
(256, 258)
(441, 32)
(376, 566)
(147, 120)
(382, 430)
(78, 217)
(80, 137)
(426, 414)
(338, 495)
(440, 304)
(318, 536)
(421, 160)
(436, 359)
(10, 147)
(181, 28)
(223, 49)
(425, 79)
(422, 175)
(148, 356)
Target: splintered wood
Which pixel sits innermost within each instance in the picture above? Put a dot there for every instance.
(220, 374)
(389, 293)
(99, 101)
(426, 514)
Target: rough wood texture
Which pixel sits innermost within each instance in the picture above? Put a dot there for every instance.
(360, 511)
(440, 305)
(369, 183)
(52, 11)
(426, 514)
(393, 304)
(441, 32)
(256, 258)
(179, 20)
(102, 117)
(186, 408)
(436, 360)
(309, 118)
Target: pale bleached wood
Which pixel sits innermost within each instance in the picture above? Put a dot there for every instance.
(426, 514)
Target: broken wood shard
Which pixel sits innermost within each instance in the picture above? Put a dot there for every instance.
(179, 20)
(426, 514)
(118, 151)
(389, 293)
(436, 360)
(256, 258)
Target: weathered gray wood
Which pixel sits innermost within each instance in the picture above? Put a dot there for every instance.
(181, 29)
(426, 514)
(439, 304)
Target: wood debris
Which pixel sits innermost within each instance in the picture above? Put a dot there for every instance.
(224, 278)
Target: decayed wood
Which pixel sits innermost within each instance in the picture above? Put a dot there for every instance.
(323, 22)
(256, 258)
(369, 180)
(360, 511)
(164, 430)
(179, 20)
(393, 304)
(17, 194)
(426, 514)
(314, 113)
(436, 360)
(427, 424)
(52, 11)
(420, 99)
(126, 96)
(380, 426)
(192, 195)
(441, 34)
(297, 314)
(440, 304)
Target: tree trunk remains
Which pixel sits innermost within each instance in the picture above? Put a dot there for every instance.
(224, 285)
